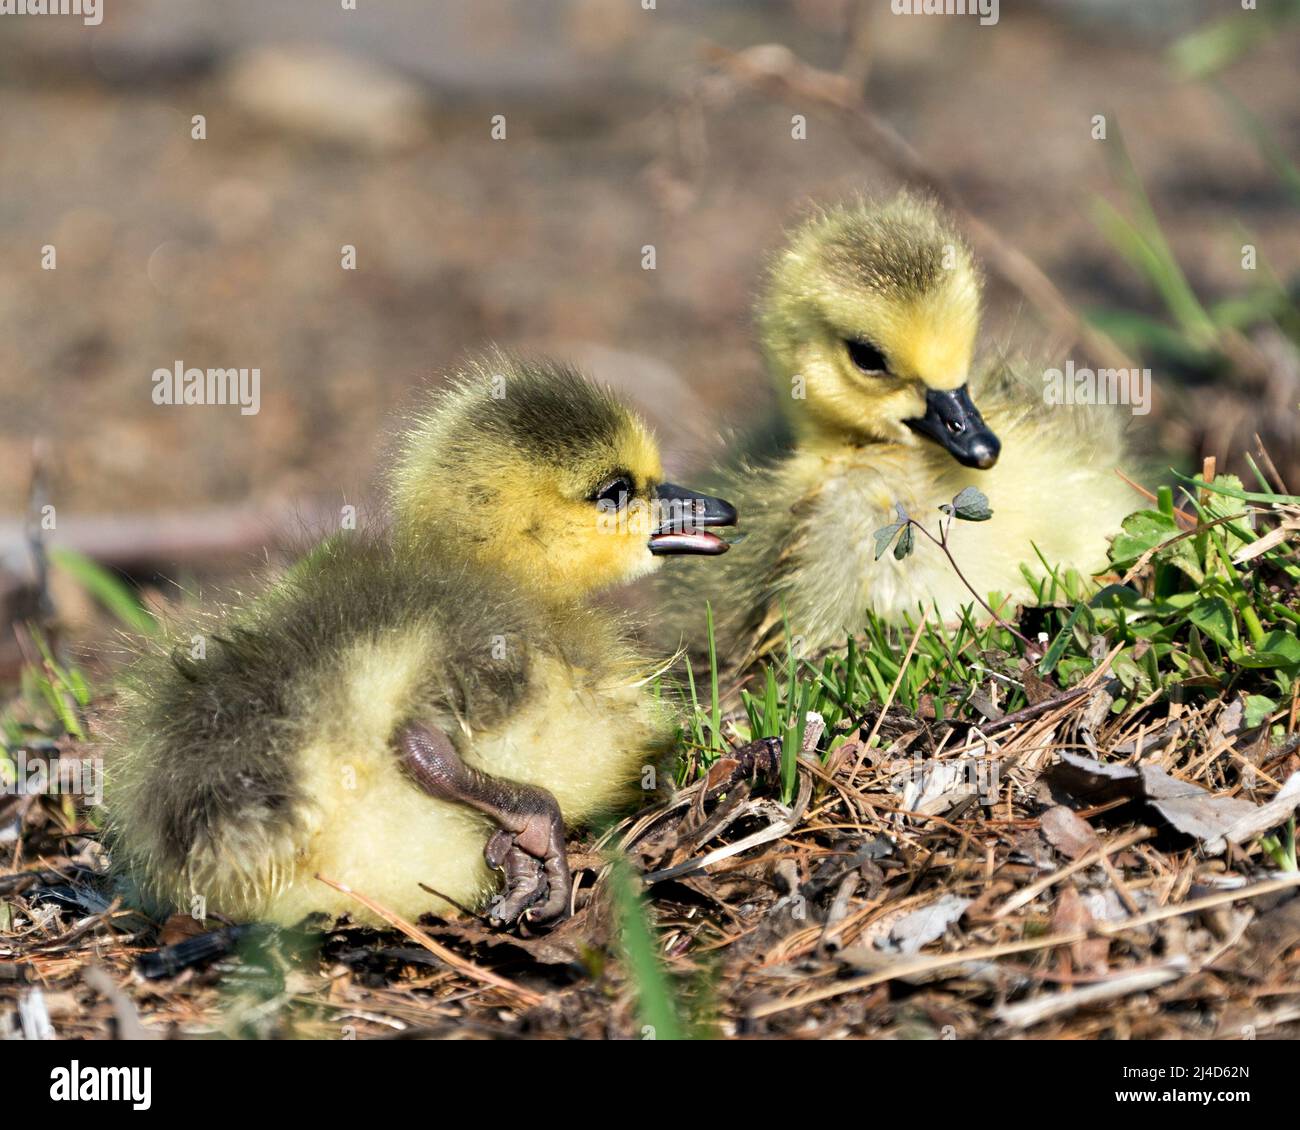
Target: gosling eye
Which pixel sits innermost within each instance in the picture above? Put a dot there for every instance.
(866, 356)
(614, 493)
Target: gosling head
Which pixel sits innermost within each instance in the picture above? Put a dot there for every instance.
(874, 310)
(542, 477)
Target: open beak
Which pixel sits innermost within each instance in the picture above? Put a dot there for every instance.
(683, 517)
(952, 421)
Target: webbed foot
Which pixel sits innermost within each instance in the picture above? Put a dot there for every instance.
(528, 848)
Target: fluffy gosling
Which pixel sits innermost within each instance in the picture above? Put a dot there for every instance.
(868, 322)
(410, 711)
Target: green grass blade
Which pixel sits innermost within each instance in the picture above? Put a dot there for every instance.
(106, 587)
(657, 1005)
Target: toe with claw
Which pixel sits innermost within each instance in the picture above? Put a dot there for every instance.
(529, 851)
(529, 846)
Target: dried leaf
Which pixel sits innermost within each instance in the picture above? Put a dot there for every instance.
(1214, 820)
(921, 927)
(1071, 914)
(1069, 834)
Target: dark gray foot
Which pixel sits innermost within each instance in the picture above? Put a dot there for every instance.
(529, 847)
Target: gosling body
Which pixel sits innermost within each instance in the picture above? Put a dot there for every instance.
(237, 778)
(868, 323)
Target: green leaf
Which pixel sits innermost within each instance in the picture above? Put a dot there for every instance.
(1220, 502)
(1175, 603)
(1279, 649)
(1213, 615)
(972, 505)
(1140, 532)
(1124, 667)
(1117, 596)
(884, 536)
(906, 541)
(1258, 708)
(1061, 642)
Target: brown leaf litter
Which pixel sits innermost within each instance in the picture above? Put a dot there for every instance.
(1058, 873)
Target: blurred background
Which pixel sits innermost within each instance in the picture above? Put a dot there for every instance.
(625, 127)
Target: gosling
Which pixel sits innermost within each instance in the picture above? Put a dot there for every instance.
(411, 711)
(868, 322)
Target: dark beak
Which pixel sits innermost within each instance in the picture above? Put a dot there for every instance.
(683, 517)
(952, 421)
